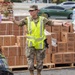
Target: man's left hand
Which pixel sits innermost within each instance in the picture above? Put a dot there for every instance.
(67, 24)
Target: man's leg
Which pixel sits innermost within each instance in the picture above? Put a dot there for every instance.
(38, 72)
(31, 72)
(40, 55)
(30, 52)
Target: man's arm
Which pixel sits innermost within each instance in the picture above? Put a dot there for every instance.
(48, 22)
(15, 21)
(21, 22)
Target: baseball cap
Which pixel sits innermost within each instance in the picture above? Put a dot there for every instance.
(33, 7)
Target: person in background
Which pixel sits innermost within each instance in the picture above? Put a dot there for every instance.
(3, 61)
(35, 38)
(4, 69)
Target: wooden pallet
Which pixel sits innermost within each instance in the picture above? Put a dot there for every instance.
(25, 67)
(59, 66)
(49, 65)
(15, 68)
(45, 66)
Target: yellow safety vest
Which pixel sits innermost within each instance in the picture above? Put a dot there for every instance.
(36, 36)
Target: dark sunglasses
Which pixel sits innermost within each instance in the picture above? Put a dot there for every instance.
(31, 10)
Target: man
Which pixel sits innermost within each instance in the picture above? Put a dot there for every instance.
(35, 45)
(35, 38)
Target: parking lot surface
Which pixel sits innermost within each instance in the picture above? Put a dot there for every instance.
(70, 71)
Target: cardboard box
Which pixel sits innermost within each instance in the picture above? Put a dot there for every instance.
(5, 25)
(57, 23)
(54, 35)
(16, 32)
(22, 51)
(74, 46)
(23, 60)
(62, 46)
(64, 29)
(13, 60)
(70, 46)
(4, 32)
(1, 0)
(7, 40)
(54, 49)
(73, 54)
(57, 58)
(67, 57)
(71, 28)
(67, 37)
(56, 28)
(47, 58)
(11, 50)
(14, 27)
(21, 41)
(59, 36)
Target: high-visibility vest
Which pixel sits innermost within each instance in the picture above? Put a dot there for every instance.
(36, 36)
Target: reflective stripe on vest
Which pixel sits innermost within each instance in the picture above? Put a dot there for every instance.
(32, 37)
(41, 29)
(41, 26)
(29, 25)
(29, 29)
(38, 39)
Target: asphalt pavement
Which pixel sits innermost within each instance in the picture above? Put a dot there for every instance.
(69, 71)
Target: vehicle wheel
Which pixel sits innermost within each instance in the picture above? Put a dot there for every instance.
(70, 16)
(73, 8)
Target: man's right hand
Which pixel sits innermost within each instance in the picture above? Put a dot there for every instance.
(14, 20)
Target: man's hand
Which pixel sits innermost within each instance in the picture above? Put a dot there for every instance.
(10, 17)
(67, 24)
(13, 19)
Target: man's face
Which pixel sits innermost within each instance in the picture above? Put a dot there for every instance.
(33, 12)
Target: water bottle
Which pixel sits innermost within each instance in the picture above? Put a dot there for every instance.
(73, 19)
